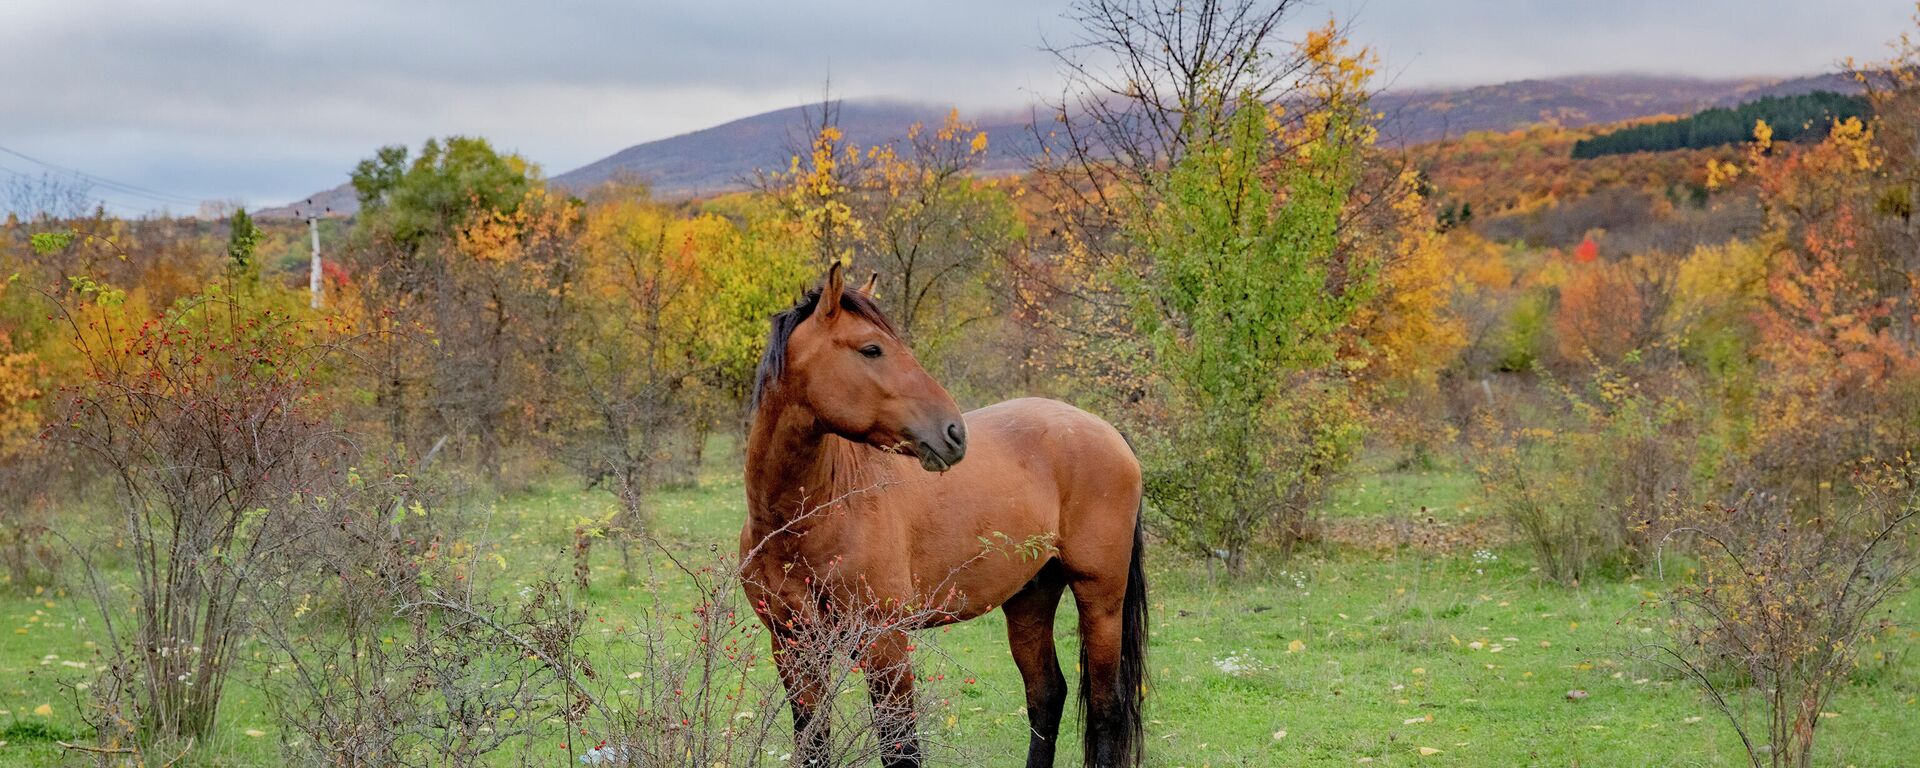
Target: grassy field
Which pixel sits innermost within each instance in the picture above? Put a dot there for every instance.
(1415, 636)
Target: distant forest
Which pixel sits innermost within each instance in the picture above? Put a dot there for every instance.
(1792, 118)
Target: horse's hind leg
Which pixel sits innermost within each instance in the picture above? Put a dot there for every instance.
(1102, 704)
(1030, 633)
(1113, 639)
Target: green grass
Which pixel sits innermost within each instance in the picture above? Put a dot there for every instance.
(1339, 658)
(1379, 489)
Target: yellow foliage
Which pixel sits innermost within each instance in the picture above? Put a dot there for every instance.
(697, 288)
(1718, 280)
(1408, 328)
(20, 372)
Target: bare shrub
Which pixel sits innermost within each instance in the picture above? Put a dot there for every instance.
(1589, 490)
(399, 650)
(1783, 601)
(700, 691)
(1520, 471)
(1298, 443)
(206, 422)
(386, 653)
(29, 550)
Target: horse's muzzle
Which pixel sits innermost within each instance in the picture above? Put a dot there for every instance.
(940, 453)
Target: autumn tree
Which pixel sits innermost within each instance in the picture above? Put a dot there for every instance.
(26, 549)
(1140, 76)
(1228, 258)
(914, 213)
(932, 229)
(667, 320)
(1814, 530)
(1835, 326)
(461, 260)
(500, 313)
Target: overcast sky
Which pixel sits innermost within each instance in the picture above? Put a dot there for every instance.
(266, 102)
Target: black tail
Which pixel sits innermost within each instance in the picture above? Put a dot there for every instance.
(1133, 647)
(1124, 727)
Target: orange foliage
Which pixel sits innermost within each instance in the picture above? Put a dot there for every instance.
(1599, 312)
(1533, 168)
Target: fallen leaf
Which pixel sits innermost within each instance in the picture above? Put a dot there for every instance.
(1296, 646)
(1428, 751)
(44, 710)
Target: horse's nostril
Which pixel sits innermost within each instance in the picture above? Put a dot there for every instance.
(956, 434)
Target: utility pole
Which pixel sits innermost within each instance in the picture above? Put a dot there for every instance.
(313, 281)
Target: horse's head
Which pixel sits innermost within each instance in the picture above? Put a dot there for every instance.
(836, 356)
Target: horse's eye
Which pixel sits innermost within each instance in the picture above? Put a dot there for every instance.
(870, 350)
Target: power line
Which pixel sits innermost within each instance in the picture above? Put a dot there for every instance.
(103, 199)
(118, 186)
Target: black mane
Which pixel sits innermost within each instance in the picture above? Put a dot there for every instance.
(773, 362)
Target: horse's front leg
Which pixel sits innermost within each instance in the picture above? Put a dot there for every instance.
(890, 684)
(805, 682)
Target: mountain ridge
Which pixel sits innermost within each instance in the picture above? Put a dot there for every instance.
(725, 157)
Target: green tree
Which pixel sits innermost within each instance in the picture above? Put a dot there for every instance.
(437, 192)
(1801, 117)
(243, 241)
(1243, 305)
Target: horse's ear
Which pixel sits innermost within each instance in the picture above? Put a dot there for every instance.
(873, 283)
(830, 293)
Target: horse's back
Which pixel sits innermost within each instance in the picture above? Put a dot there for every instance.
(1035, 430)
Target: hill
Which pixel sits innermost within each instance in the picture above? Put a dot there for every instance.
(726, 157)
(1420, 116)
(339, 202)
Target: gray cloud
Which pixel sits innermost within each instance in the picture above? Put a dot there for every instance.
(267, 101)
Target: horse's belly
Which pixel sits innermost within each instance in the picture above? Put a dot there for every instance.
(968, 564)
(978, 589)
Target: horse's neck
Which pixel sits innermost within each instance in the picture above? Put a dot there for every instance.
(798, 473)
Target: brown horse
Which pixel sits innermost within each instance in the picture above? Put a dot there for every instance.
(858, 501)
